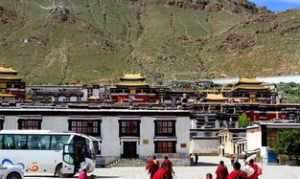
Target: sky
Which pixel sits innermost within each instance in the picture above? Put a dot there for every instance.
(278, 5)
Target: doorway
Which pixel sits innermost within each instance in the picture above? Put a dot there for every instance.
(129, 150)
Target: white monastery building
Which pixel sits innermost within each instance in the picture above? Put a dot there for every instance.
(122, 132)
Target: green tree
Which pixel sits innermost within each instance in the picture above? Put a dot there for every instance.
(244, 121)
(288, 142)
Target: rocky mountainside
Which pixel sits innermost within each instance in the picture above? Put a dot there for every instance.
(62, 41)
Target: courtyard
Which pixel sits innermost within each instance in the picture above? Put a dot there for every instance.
(196, 172)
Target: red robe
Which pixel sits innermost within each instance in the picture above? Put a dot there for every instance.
(160, 174)
(83, 175)
(222, 172)
(169, 167)
(257, 171)
(152, 167)
(237, 174)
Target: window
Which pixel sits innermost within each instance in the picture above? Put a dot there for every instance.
(88, 127)
(1, 141)
(20, 142)
(90, 92)
(129, 128)
(29, 124)
(8, 142)
(58, 141)
(165, 147)
(165, 128)
(33, 142)
(1, 124)
(38, 142)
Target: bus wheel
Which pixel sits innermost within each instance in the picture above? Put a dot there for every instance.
(13, 175)
(60, 174)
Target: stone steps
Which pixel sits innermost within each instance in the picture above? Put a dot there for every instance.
(129, 163)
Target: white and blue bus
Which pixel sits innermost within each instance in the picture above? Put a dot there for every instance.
(40, 152)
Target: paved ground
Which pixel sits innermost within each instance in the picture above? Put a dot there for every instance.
(198, 172)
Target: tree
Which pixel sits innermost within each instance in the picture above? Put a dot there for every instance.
(288, 142)
(244, 121)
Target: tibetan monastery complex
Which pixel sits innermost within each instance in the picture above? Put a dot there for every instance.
(133, 118)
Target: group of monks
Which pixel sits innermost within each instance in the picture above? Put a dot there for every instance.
(165, 170)
(253, 171)
(157, 171)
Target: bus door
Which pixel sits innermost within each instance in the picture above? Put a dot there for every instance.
(81, 151)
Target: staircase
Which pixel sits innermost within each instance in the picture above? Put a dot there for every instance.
(128, 163)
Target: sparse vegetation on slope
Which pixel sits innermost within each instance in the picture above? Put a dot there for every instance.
(60, 41)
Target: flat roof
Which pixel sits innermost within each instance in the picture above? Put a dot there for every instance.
(281, 125)
(278, 125)
(64, 111)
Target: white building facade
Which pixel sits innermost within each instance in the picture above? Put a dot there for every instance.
(122, 132)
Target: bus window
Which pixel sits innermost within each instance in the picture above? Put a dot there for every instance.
(8, 142)
(58, 141)
(1, 141)
(88, 152)
(38, 142)
(20, 142)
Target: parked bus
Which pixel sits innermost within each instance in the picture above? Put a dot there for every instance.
(40, 152)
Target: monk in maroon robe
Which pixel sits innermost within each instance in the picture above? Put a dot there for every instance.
(169, 166)
(256, 168)
(161, 173)
(237, 173)
(222, 171)
(152, 166)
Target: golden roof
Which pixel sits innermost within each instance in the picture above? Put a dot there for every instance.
(248, 80)
(9, 77)
(6, 95)
(249, 84)
(132, 83)
(133, 79)
(93, 98)
(133, 76)
(215, 97)
(6, 69)
(252, 87)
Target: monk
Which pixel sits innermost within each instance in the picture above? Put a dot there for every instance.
(209, 176)
(169, 166)
(222, 171)
(83, 174)
(256, 168)
(237, 173)
(161, 173)
(152, 166)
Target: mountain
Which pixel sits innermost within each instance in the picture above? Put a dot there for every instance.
(62, 41)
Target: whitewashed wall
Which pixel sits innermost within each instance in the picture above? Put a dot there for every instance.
(147, 133)
(205, 146)
(111, 145)
(55, 123)
(10, 122)
(182, 134)
(253, 139)
(110, 136)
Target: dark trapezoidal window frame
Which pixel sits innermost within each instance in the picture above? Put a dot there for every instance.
(87, 127)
